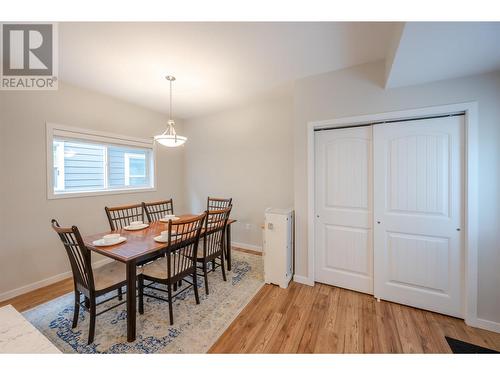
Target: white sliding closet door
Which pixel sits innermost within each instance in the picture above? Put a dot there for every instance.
(418, 204)
(343, 238)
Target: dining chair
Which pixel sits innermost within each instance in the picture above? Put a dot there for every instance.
(179, 264)
(89, 282)
(121, 216)
(157, 210)
(213, 243)
(218, 203)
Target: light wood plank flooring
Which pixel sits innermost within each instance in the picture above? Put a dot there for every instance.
(320, 319)
(326, 319)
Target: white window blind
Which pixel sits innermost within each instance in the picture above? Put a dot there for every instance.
(87, 162)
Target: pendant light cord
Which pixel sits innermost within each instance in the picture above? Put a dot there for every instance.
(170, 112)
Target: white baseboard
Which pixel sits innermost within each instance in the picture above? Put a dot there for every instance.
(303, 280)
(50, 280)
(485, 324)
(246, 246)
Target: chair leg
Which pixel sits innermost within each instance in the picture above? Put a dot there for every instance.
(120, 294)
(140, 282)
(87, 302)
(222, 267)
(195, 287)
(175, 287)
(92, 321)
(170, 311)
(205, 276)
(213, 264)
(76, 310)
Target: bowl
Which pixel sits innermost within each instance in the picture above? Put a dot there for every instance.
(109, 238)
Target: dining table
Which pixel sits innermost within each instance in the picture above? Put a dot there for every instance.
(138, 248)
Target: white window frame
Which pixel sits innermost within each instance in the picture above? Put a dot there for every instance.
(60, 176)
(63, 131)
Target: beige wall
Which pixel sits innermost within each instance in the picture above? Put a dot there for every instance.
(359, 91)
(29, 250)
(245, 153)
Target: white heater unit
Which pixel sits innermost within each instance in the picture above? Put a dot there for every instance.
(278, 246)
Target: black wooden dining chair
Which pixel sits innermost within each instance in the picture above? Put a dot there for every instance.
(157, 210)
(91, 283)
(213, 243)
(179, 264)
(218, 203)
(121, 216)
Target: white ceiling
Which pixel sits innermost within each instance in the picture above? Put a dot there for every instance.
(216, 64)
(432, 51)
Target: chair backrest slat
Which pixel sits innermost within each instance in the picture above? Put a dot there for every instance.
(78, 254)
(122, 216)
(218, 203)
(157, 210)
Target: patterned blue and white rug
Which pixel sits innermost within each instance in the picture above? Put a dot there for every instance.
(195, 328)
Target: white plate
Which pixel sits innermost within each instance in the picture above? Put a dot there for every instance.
(163, 220)
(164, 240)
(102, 243)
(138, 227)
(161, 239)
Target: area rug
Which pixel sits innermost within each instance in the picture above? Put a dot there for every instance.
(195, 328)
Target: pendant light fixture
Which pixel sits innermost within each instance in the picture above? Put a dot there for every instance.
(170, 138)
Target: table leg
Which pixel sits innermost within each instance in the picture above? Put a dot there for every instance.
(131, 301)
(228, 247)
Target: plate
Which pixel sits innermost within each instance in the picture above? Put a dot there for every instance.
(161, 239)
(164, 240)
(100, 242)
(163, 220)
(139, 227)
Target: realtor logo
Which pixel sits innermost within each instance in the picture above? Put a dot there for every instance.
(29, 58)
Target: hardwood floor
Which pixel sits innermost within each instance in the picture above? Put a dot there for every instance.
(326, 319)
(37, 297)
(320, 319)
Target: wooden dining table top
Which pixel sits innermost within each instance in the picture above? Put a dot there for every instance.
(139, 243)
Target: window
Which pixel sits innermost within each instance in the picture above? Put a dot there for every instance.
(86, 162)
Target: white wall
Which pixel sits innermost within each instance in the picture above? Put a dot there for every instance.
(358, 91)
(29, 250)
(245, 153)
(255, 153)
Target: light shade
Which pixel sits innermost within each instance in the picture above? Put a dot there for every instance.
(170, 140)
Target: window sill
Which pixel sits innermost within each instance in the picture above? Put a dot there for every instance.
(82, 194)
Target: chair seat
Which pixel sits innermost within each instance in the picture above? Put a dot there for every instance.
(110, 274)
(158, 269)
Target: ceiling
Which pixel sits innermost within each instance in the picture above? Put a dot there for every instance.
(219, 65)
(216, 64)
(432, 51)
